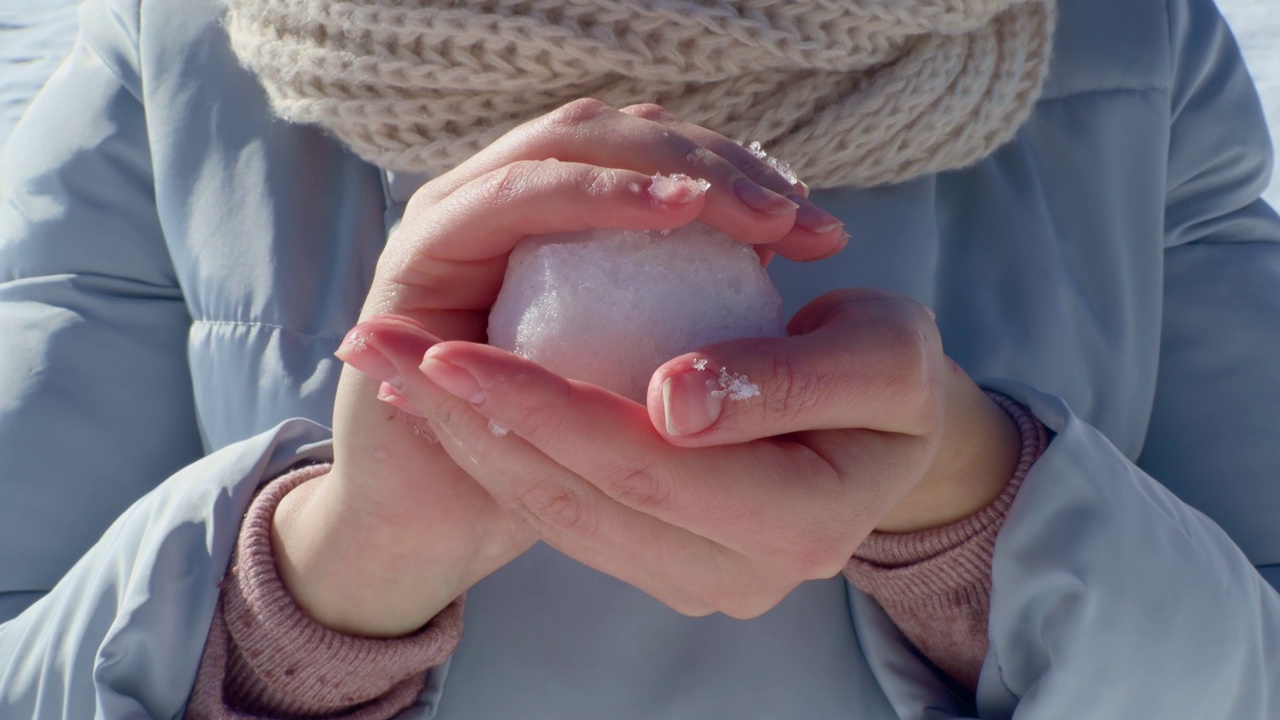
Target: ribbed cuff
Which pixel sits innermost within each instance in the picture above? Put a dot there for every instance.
(935, 584)
(275, 661)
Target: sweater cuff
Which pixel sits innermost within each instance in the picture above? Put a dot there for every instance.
(935, 584)
(267, 658)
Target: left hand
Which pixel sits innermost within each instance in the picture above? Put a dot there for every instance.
(862, 423)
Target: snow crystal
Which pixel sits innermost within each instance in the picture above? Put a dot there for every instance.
(357, 341)
(782, 166)
(661, 185)
(734, 386)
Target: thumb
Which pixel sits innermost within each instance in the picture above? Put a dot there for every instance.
(859, 360)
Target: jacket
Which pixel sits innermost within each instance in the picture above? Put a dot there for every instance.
(177, 266)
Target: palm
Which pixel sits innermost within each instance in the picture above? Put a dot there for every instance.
(403, 477)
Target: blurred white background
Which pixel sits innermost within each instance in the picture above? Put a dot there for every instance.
(1256, 24)
(36, 34)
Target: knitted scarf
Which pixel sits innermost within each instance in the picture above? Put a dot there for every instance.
(861, 92)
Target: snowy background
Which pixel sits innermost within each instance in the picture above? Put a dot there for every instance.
(36, 34)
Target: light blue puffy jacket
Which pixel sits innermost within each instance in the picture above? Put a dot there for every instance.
(176, 268)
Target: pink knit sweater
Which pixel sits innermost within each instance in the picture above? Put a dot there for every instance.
(265, 657)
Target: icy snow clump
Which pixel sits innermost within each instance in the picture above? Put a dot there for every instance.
(610, 306)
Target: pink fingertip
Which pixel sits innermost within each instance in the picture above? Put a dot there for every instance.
(677, 188)
(356, 351)
(388, 394)
(356, 339)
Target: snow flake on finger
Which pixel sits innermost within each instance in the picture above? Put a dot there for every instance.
(734, 386)
(781, 166)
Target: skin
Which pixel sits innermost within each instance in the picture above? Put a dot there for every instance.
(863, 423)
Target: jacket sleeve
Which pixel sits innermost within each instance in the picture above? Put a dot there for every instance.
(1123, 589)
(1119, 596)
(115, 532)
(1113, 598)
(1110, 598)
(95, 396)
(1214, 437)
(120, 635)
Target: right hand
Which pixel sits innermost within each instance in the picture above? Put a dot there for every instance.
(397, 530)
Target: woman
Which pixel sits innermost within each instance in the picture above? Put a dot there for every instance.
(179, 265)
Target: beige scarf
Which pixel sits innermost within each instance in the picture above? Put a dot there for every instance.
(861, 92)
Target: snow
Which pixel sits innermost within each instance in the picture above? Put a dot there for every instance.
(610, 306)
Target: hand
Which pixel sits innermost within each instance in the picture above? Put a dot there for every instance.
(711, 504)
(396, 530)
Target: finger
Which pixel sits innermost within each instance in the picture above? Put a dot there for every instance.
(751, 164)
(814, 234)
(357, 353)
(591, 132)
(566, 511)
(454, 255)
(753, 498)
(856, 359)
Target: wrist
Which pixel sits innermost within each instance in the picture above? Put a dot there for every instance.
(977, 455)
(348, 571)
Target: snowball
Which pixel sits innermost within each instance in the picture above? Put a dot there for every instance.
(610, 306)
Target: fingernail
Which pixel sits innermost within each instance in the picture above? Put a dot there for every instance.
(453, 379)
(762, 199)
(932, 315)
(812, 218)
(676, 188)
(388, 394)
(357, 352)
(688, 404)
(802, 187)
(837, 245)
(383, 344)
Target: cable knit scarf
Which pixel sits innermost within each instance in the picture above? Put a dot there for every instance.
(861, 92)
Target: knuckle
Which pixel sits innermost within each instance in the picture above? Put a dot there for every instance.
(835, 564)
(557, 505)
(600, 182)
(913, 374)
(756, 168)
(534, 422)
(691, 609)
(823, 557)
(501, 186)
(790, 396)
(746, 610)
(764, 175)
(450, 415)
(639, 488)
(679, 597)
(544, 420)
(746, 593)
(750, 604)
(697, 156)
(421, 201)
(649, 111)
(573, 115)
